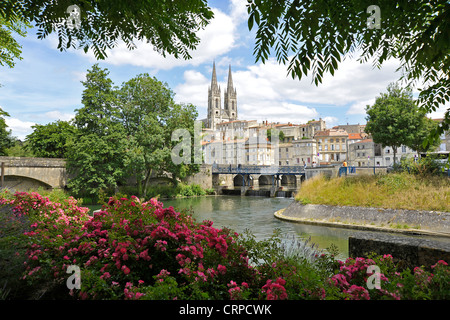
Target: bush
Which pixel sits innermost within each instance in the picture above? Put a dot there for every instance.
(140, 250)
(423, 166)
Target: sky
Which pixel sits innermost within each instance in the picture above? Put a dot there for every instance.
(45, 85)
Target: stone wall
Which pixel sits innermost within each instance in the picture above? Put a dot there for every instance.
(330, 171)
(45, 171)
(407, 251)
(202, 178)
(370, 218)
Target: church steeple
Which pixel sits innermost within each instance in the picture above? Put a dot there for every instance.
(214, 103)
(217, 114)
(214, 77)
(230, 100)
(230, 79)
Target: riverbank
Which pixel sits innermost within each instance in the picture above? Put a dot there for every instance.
(388, 191)
(369, 218)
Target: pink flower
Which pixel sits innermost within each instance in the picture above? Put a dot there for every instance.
(106, 275)
(275, 290)
(125, 269)
(222, 269)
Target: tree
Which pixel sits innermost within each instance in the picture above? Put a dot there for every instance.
(10, 49)
(6, 140)
(181, 117)
(280, 135)
(99, 100)
(96, 162)
(149, 116)
(97, 154)
(126, 132)
(314, 36)
(50, 140)
(419, 142)
(170, 26)
(395, 119)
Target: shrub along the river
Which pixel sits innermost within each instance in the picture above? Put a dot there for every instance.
(141, 250)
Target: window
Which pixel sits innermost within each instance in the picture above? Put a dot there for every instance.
(403, 149)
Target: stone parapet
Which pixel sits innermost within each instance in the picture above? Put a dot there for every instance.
(406, 251)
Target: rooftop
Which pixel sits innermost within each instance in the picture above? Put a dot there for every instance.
(332, 133)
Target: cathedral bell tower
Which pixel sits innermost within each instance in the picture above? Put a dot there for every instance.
(230, 101)
(214, 104)
(217, 114)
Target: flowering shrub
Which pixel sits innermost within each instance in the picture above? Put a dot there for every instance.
(140, 250)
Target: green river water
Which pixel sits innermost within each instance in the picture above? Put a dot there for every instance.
(257, 214)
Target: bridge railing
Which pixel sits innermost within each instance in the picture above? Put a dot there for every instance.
(254, 169)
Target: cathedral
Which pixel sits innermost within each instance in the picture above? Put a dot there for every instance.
(217, 114)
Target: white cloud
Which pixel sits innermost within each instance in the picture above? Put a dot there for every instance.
(58, 115)
(19, 128)
(239, 11)
(217, 38)
(360, 107)
(440, 112)
(283, 112)
(194, 89)
(265, 91)
(331, 121)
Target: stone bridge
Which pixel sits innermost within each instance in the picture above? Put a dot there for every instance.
(21, 173)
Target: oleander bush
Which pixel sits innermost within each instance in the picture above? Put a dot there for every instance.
(141, 250)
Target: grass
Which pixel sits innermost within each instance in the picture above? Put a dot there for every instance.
(395, 191)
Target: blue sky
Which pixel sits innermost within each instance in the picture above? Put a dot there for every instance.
(45, 86)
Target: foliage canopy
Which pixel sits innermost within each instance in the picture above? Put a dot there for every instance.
(315, 36)
(170, 26)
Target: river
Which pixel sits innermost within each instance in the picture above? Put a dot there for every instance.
(256, 214)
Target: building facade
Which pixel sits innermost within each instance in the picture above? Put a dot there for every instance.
(331, 146)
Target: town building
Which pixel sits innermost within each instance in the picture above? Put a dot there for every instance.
(332, 146)
(305, 152)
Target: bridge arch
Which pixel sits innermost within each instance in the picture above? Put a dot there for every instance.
(19, 182)
(238, 180)
(288, 179)
(265, 180)
(34, 172)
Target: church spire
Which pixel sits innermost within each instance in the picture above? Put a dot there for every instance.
(214, 77)
(230, 79)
